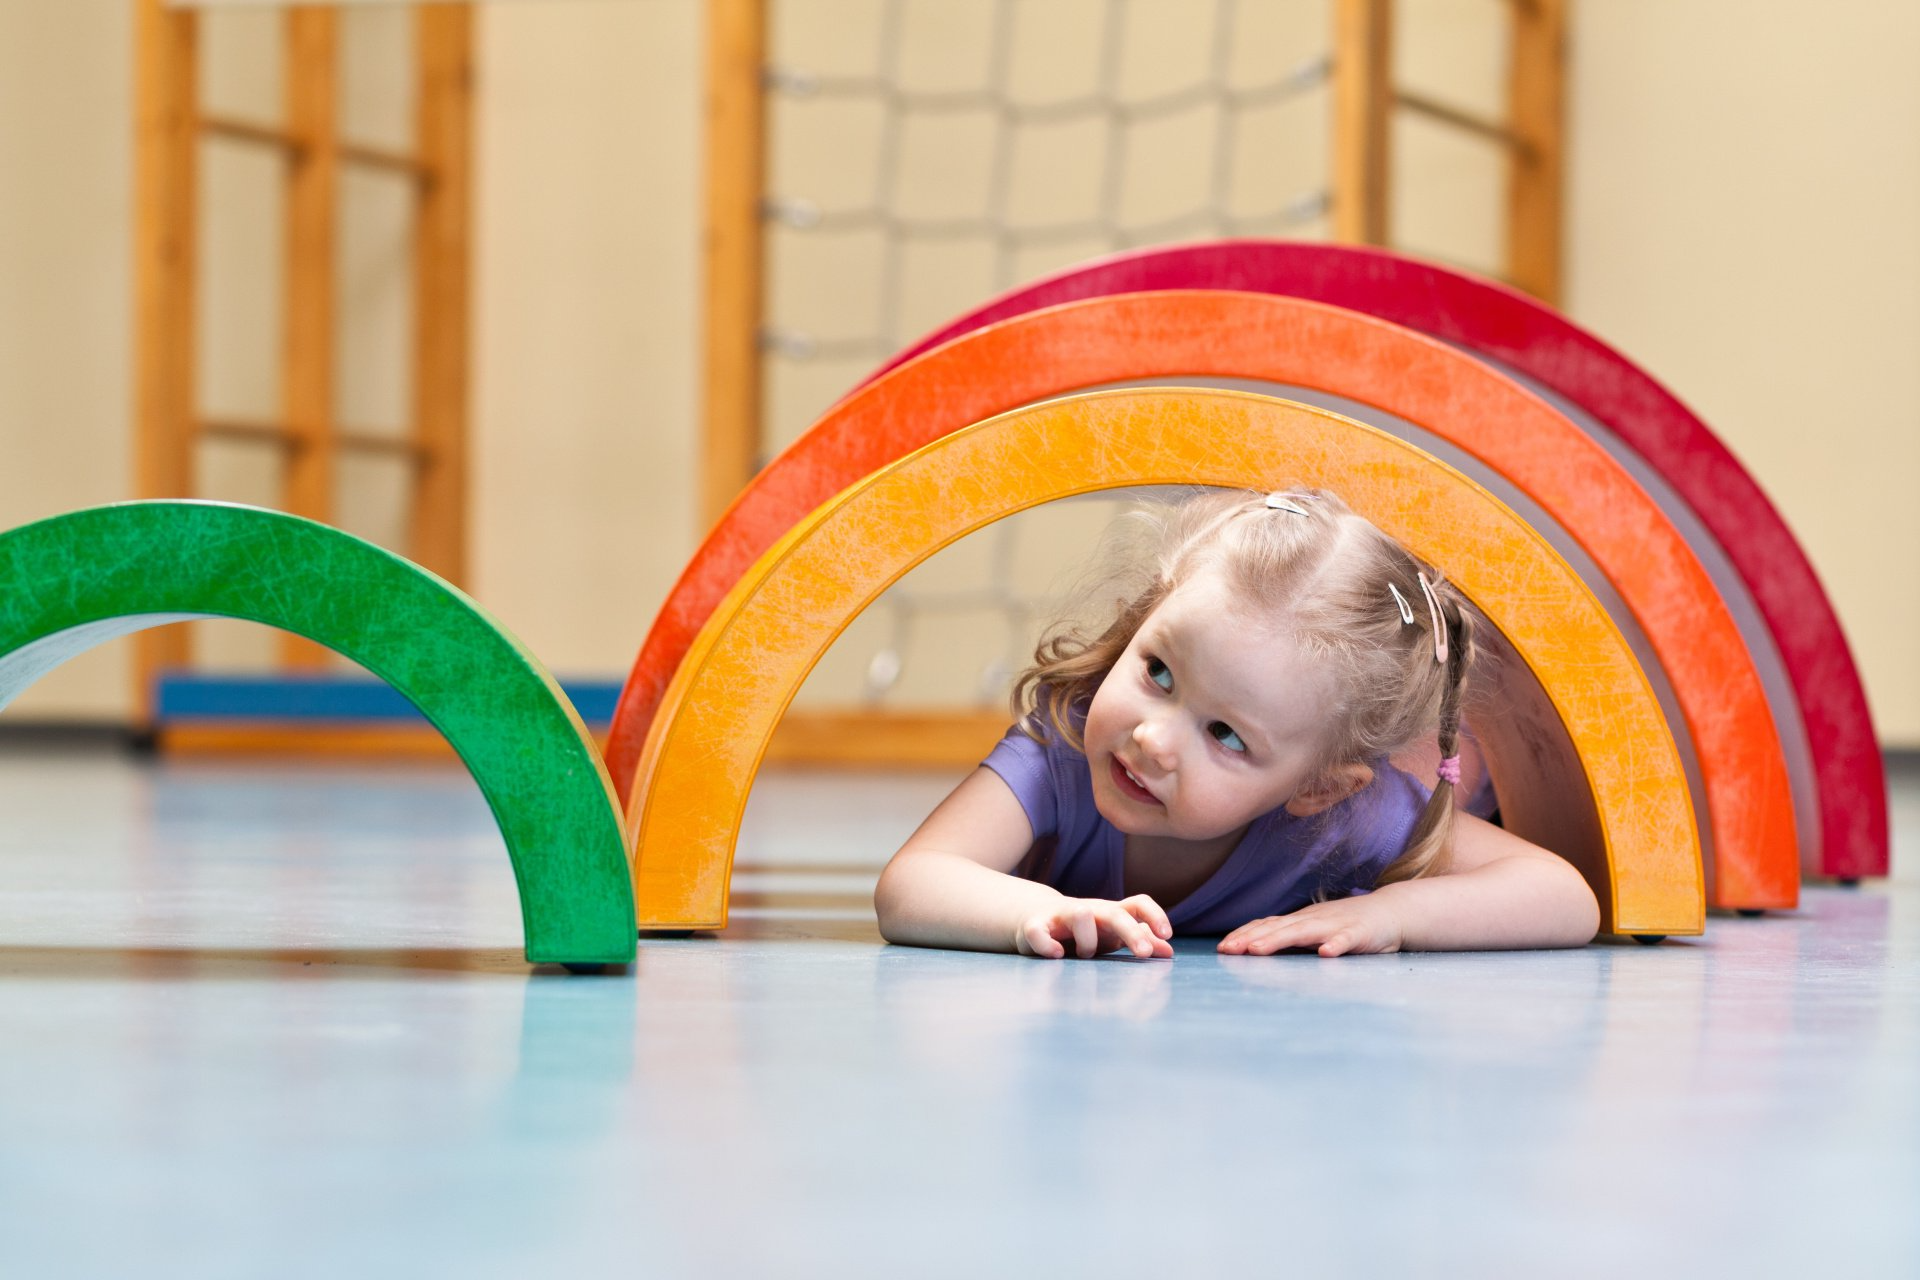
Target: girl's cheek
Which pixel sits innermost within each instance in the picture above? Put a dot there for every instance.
(1101, 710)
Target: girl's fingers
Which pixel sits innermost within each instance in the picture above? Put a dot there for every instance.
(1337, 945)
(1149, 911)
(1092, 928)
(1263, 939)
(1303, 928)
(1282, 934)
(1254, 928)
(1239, 937)
(1041, 942)
(1086, 934)
(1152, 944)
(1247, 936)
(1135, 935)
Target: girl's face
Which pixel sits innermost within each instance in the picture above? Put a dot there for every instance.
(1211, 718)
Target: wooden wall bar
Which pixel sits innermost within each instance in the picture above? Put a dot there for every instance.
(1536, 114)
(1363, 100)
(307, 325)
(442, 249)
(735, 248)
(166, 184)
(308, 436)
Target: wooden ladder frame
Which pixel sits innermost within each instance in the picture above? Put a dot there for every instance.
(1365, 101)
(169, 128)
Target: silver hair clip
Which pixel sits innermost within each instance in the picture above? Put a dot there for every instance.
(1406, 610)
(1281, 502)
(1439, 627)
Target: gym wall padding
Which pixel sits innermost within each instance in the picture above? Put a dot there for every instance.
(1609, 793)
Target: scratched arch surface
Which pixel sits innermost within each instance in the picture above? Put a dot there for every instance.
(77, 580)
(1748, 805)
(1615, 803)
(1822, 700)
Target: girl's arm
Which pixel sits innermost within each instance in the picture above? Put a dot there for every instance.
(1499, 892)
(951, 885)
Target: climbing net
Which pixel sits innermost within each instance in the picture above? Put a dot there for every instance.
(932, 156)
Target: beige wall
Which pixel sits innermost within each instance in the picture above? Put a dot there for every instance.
(1745, 220)
(587, 288)
(66, 150)
(1741, 209)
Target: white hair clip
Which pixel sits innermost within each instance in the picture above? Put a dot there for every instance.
(1406, 610)
(1439, 627)
(1281, 502)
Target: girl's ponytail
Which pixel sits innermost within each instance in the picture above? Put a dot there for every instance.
(1427, 846)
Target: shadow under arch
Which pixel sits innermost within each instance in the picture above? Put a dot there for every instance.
(1747, 811)
(1609, 793)
(78, 580)
(1660, 435)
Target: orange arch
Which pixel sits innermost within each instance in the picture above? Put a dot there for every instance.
(1748, 801)
(1825, 720)
(1616, 803)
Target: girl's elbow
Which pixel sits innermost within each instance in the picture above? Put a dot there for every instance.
(886, 902)
(893, 898)
(1582, 912)
(1583, 931)
(891, 921)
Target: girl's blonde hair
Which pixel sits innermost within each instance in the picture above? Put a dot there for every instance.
(1325, 572)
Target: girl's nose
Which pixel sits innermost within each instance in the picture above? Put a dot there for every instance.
(1153, 737)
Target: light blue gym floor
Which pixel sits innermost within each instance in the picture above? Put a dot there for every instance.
(272, 1021)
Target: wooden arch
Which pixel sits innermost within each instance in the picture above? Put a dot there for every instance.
(78, 580)
(1285, 340)
(1502, 324)
(1594, 774)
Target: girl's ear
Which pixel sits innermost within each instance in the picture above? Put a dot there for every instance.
(1329, 789)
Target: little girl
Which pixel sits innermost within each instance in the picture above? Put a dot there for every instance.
(1215, 761)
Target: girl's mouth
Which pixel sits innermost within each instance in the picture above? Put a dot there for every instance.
(1130, 787)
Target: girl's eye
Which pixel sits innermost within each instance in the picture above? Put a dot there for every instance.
(1224, 735)
(1158, 673)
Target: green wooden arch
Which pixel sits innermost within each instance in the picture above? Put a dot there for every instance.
(77, 580)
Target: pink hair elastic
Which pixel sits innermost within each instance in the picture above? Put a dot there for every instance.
(1450, 771)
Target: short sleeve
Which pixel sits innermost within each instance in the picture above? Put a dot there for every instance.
(1483, 803)
(1368, 832)
(1022, 764)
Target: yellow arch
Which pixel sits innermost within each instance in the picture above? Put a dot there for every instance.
(1583, 758)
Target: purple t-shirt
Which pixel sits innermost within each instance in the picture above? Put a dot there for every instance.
(1282, 864)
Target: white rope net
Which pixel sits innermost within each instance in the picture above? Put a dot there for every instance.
(926, 156)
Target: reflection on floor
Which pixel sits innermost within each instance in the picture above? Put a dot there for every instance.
(273, 1021)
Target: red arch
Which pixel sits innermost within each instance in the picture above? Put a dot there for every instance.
(1214, 333)
(1505, 325)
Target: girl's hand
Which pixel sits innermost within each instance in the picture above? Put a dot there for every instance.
(1095, 926)
(1348, 926)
